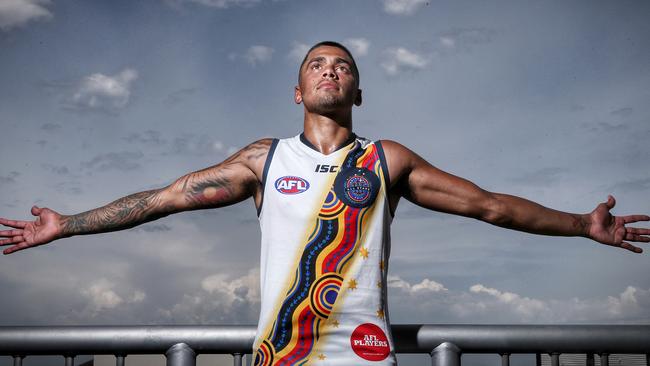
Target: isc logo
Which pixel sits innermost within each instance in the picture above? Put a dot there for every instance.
(324, 168)
(291, 185)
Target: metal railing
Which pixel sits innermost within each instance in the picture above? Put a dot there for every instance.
(444, 343)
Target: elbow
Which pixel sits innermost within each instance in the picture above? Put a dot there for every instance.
(495, 212)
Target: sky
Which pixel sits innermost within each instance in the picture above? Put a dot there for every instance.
(545, 100)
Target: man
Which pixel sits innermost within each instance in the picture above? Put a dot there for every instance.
(325, 201)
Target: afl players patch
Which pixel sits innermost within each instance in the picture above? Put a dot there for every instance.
(369, 342)
(357, 187)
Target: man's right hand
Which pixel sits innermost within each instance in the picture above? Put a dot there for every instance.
(26, 234)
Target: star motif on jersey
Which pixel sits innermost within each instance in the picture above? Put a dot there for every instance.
(364, 252)
(379, 284)
(322, 357)
(352, 284)
(334, 322)
(381, 265)
(380, 313)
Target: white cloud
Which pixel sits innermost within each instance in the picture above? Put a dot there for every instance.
(101, 296)
(630, 306)
(14, 13)
(298, 51)
(448, 41)
(358, 46)
(99, 91)
(220, 299)
(223, 4)
(465, 38)
(426, 285)
(625, 302)
(258, 54)
(243, 287)
(400, 59)
(403, 7)
(137, 296)
(481, 304)
(524, 306)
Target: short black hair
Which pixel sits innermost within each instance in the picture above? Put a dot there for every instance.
(355, 69)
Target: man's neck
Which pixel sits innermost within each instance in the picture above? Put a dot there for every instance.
(327, 134)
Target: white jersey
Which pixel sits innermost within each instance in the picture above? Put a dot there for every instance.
(325, 244)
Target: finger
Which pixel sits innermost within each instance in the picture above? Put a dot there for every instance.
(611, 202)
(634, 218)
(636, 230)
(36, 210)
(15, 239)
(639, 238)
(15, 248)
(8, 233)
(631, 247)
(13, 223)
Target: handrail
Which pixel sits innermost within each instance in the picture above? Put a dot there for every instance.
(444, 343)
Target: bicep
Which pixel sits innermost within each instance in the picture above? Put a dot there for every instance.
(435, 189)
(229, 182)
(429, 187)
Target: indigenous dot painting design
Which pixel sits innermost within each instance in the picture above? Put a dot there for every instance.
(319, 275)
(357, 188)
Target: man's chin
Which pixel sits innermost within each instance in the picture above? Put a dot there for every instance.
(329, 105)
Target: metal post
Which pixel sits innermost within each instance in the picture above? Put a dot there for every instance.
(69, 360)
(538, 359)
(180, 354)
(237, 359)
(590, 360)
(119, 360)
(555, 359)
(505, 359)
(18, 360)
(604, 359)
(446, 354)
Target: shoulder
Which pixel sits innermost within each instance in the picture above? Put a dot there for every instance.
(253, 155)
(399, 159)
(254, 151)
(397, 153)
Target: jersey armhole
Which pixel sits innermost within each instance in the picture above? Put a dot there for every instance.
(265, 172)
(384, 168)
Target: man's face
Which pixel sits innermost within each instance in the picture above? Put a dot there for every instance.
(327, 81)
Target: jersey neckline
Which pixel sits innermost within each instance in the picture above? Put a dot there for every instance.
(352, 138)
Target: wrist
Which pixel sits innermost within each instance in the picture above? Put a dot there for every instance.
(65, 227)
(582, 223)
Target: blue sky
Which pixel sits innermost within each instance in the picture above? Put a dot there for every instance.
(546, 100)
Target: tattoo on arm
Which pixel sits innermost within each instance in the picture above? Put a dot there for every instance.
(212, 187)
(257, 149)
(123, 213)
(225, 183)
(210, 191)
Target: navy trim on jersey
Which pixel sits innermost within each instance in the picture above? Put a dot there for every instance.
(267, 164)
(304, 140)
(384, 167)
(384, 164)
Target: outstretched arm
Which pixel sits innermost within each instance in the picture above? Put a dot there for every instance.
(419, 182)
(224, 184)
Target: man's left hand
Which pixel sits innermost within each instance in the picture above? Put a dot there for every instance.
(611, 230)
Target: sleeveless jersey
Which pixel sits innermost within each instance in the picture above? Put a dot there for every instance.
(325, 244)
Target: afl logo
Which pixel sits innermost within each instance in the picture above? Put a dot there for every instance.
(291, 185)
